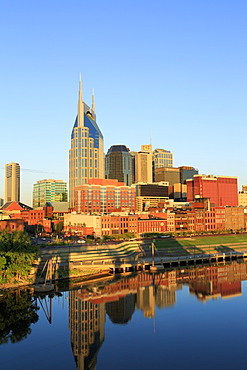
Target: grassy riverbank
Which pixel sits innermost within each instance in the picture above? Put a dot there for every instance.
(81, 275)
(206, 244)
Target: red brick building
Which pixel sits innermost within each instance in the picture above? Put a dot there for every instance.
(221, 190)
(20, 214)
(12, 225)
(119, 224)
(152, 225)
(104, 196)
(32, 217)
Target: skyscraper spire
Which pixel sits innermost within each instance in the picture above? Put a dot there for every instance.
(80, 105)
(93, 103)
(80, 88)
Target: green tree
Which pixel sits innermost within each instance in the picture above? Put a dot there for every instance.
(16, 255)
(17, 313)
(17, 241)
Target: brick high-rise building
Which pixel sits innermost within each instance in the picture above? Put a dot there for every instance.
(104, 196)
(221, 190)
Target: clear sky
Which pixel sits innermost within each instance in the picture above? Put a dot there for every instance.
(171, 70)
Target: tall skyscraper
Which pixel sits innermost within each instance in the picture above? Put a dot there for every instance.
(49, 191)
(143, 164)
(162, 158)
(12, 182)
(86, 156)
(118, 164)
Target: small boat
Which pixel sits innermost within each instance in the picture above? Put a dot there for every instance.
(47, 285)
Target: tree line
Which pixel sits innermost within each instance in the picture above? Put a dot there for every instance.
(16, 256)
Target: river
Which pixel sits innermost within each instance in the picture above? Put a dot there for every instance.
(193, 318)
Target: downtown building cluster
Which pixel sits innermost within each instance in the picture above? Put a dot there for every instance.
(124, 191)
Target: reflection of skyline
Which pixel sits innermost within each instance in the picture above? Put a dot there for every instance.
(146, 300)
(121, 311)
(86, 322)
(209, 282)
(144, 291)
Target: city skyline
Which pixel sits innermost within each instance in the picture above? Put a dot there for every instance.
(174, 78)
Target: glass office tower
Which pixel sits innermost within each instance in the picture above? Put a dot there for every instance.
(118, 164)
(86, 156)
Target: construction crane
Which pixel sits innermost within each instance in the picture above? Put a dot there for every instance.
(30, 170)
(36, 171)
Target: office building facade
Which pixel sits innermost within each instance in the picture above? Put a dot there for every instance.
(104, 196)
(221, 190)
(169, 174)
(162, 158)
(143, 164)
(187, 173)
(150, 195)
(118, 164)
(49, 191)
(86, 156)
(174, 175)
(12, 182)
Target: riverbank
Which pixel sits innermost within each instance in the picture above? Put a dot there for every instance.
(99, 255)
(82, 275)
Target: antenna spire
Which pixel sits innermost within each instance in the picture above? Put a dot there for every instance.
(80, 105)
(80, 88)
(93, 103)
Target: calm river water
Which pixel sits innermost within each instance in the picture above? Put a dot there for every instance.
(182, 319)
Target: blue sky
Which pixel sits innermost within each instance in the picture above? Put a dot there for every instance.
(174, 70)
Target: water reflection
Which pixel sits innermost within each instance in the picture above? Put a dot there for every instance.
(121, 311)
(86, 322)
(118, 299)
(215, 281)
(17, 312)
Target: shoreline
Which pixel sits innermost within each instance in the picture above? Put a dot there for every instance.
(83, 277)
